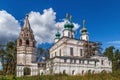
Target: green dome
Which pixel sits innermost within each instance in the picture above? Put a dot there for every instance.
(71, 25)
(67, 25)
(57, 35)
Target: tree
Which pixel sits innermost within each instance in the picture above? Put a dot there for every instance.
(11, 57)
(114, 55)
(109, 52)
(116, 61)
(43, 53)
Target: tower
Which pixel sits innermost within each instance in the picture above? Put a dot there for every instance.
(68, 28)
(84, 33)
(26, 50)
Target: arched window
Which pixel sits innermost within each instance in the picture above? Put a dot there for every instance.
(64, 72)
(20, 42)
(27, 42)
(102, 62)
(73, 72)
(82, 72)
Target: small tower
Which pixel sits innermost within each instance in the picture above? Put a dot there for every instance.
(26, 50)
(68, 28)
(57, 35)
(84, 33)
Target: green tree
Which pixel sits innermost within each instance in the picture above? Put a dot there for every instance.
(116, 61)
(40, 50)
(11, 57)
(109, 52)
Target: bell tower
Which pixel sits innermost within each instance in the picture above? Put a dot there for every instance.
(26, 50)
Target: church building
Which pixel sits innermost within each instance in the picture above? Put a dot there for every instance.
(68, 55)
(75, 56)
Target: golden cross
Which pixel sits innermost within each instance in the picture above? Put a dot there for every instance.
(66, 15)
(71, 18)
(84, 23)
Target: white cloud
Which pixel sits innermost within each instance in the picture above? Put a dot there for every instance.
(9, 27)
(113, 42)
(44, 25)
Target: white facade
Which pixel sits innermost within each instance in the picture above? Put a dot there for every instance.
(68, 55)
(62, 61)
(84, 37)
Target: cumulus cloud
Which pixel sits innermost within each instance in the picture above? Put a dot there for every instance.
(44, 25)
(9, 27)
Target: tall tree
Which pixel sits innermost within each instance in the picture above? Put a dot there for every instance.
(11, 57)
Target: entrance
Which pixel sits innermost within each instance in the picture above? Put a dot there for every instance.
(27, 71)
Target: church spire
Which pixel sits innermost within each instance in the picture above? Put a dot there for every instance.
(26, 23)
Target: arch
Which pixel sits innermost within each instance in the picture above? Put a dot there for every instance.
(73, 72)
(27, 42)
(20, 42)
(89, 71)
(64, 71)
(27, 71)
(93, 72)
(82, 72)
(103, 71)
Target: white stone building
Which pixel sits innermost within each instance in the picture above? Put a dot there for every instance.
(67, 56)
(71, 56)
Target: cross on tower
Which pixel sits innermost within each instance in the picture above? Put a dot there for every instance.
(84, 23)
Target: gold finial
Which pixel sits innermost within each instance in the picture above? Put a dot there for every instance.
(71, 18)
(84, 23)
(67, 16)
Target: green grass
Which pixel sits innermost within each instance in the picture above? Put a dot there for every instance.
(102, 76)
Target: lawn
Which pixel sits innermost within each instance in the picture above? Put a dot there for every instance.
(102, 76)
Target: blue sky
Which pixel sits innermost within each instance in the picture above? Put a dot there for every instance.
(102, 16)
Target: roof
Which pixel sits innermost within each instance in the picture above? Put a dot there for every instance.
(75, 57)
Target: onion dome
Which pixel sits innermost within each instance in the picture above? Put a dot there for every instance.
(57, 35)
(83, 29)
(67, 25)
(71, 25)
